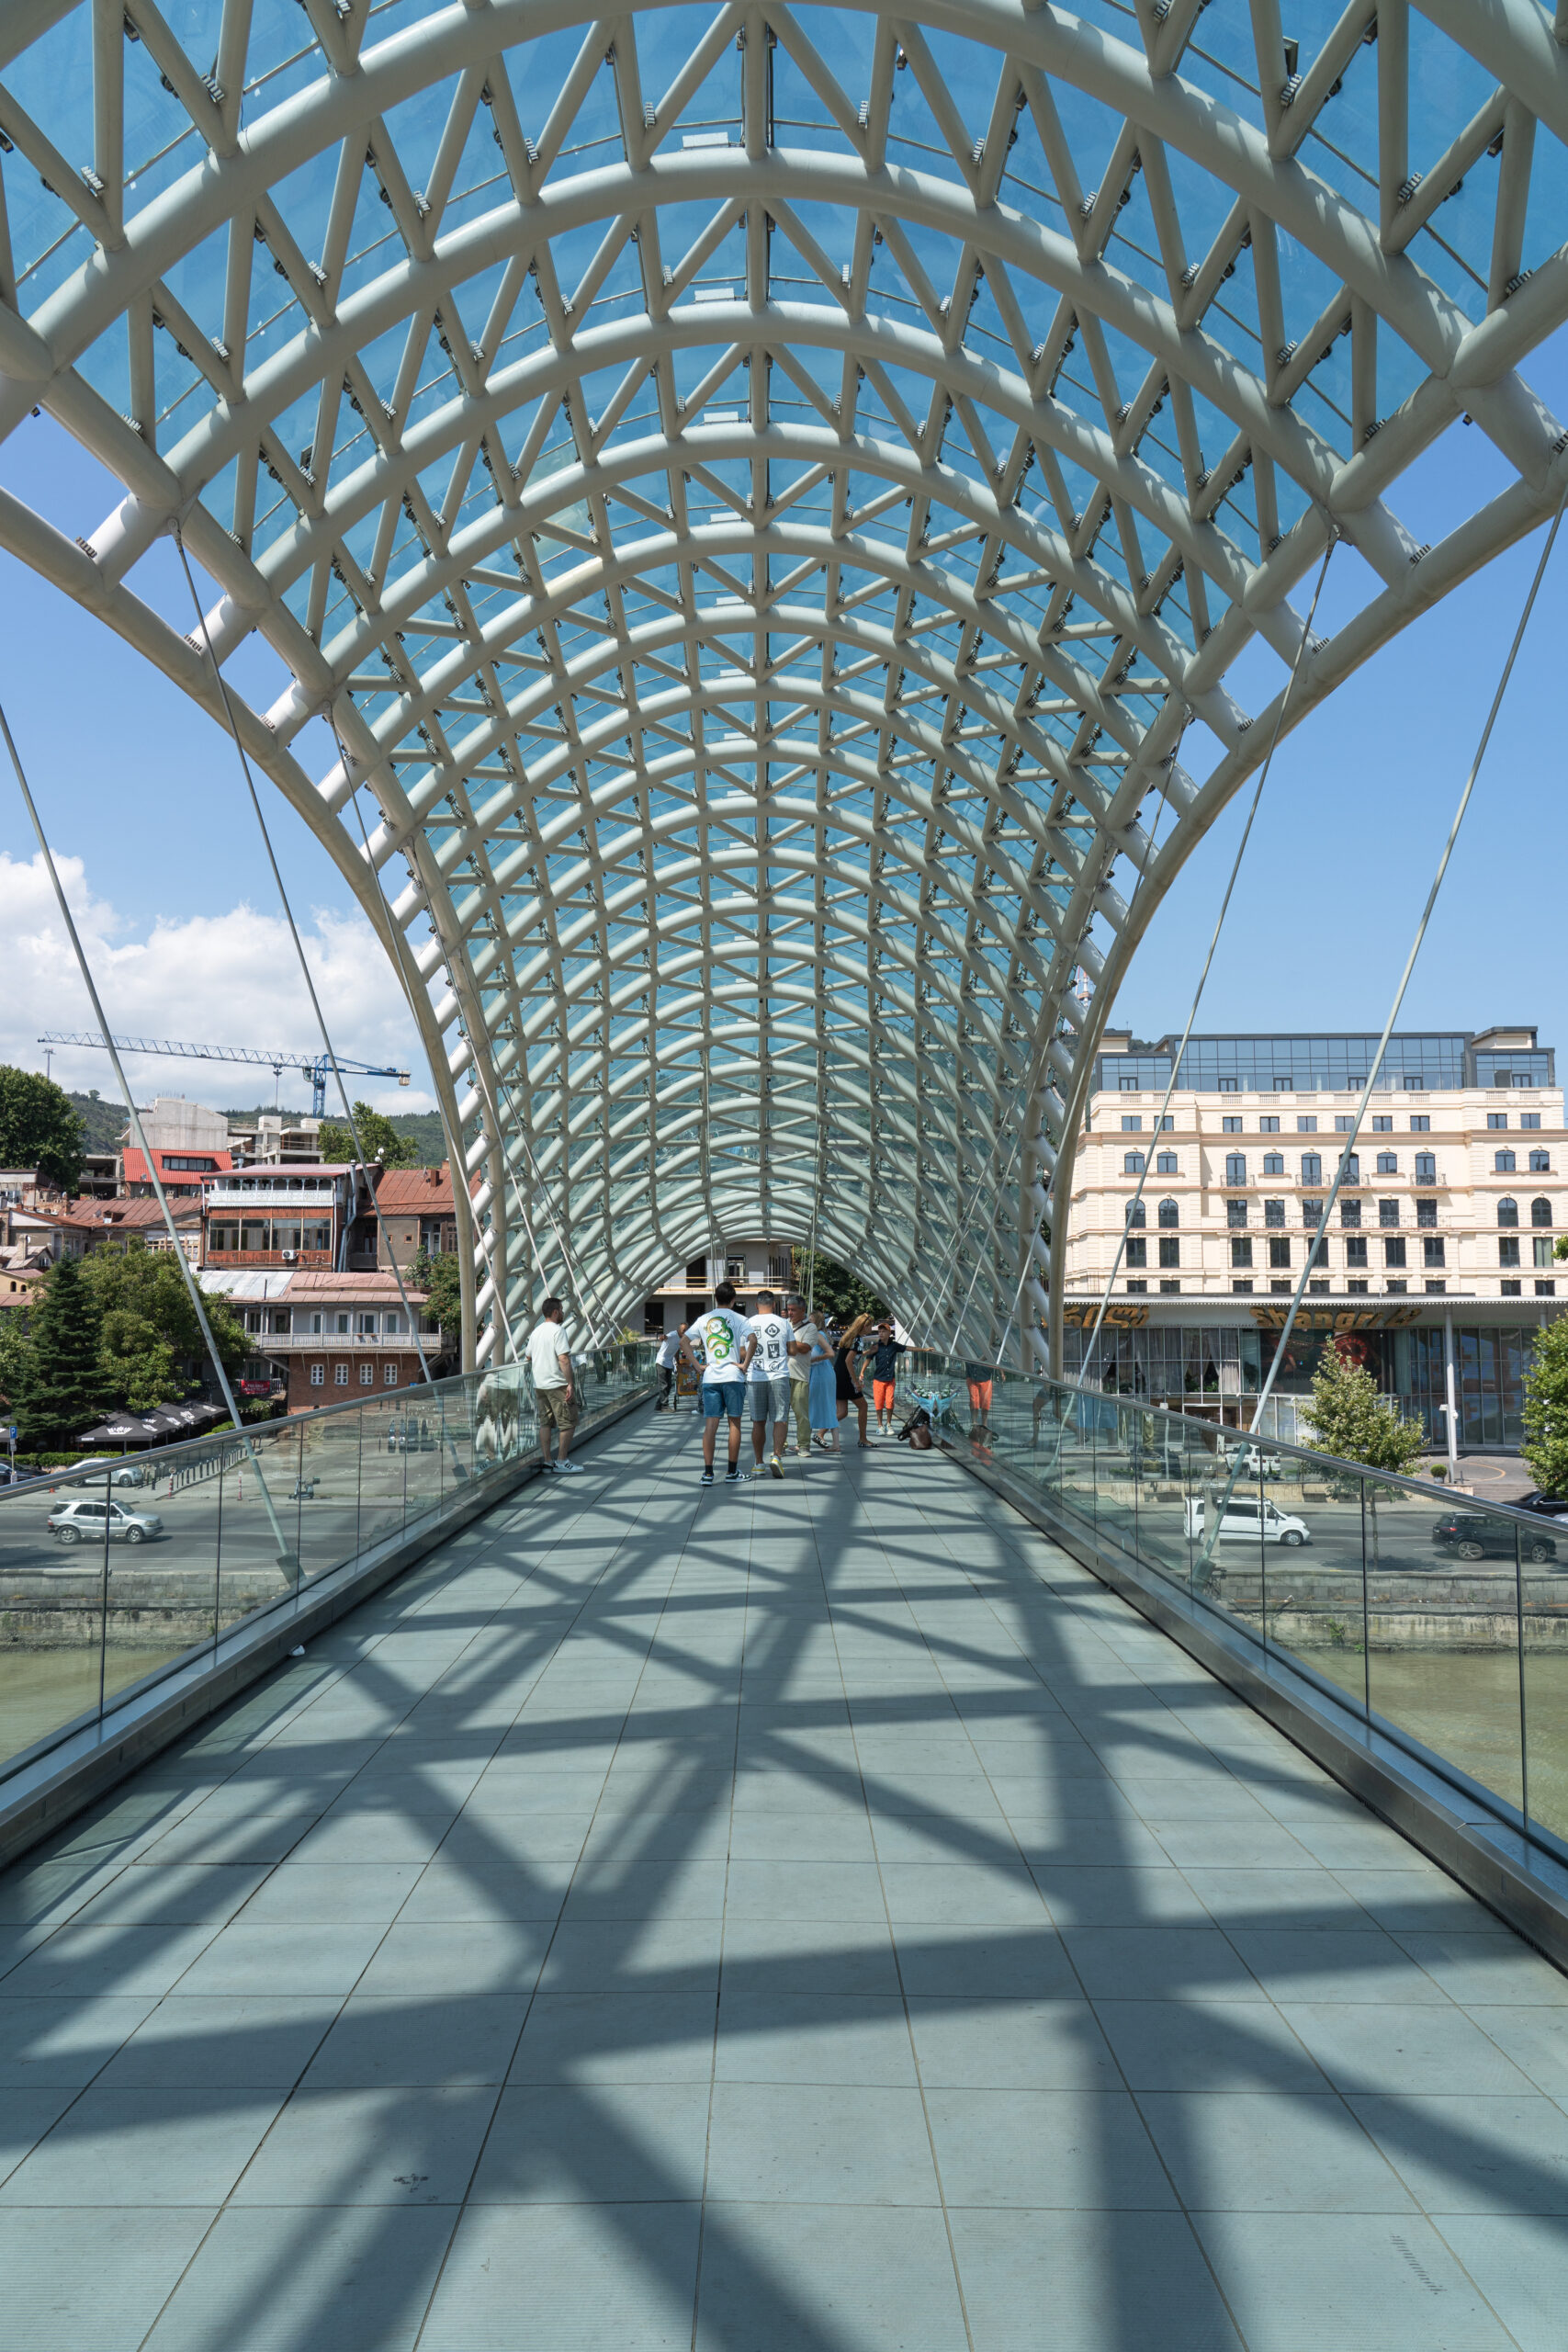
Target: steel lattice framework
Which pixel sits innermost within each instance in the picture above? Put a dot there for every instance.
(760, 492)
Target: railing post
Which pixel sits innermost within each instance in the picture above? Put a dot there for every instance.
(1366, 1614)
(1520, 1624)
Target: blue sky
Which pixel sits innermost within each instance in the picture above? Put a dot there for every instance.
(144, 790)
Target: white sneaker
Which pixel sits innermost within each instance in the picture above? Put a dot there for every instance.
(565, 1469)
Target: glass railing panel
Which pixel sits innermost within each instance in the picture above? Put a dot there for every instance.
(259, 1531)
(1316, 1589)
(1156, 1453)
(162, 1581)
(1075, 1458)
(383, 1472)
(53, 1558)
(1116, 1477)
(329, 1489)
(417, 1431)
(1543, 1585)
(1442, 1615)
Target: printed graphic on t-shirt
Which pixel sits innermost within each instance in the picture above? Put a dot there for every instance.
(774, 1336)
(724, 1334)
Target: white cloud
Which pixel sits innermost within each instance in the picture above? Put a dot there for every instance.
(221, 979)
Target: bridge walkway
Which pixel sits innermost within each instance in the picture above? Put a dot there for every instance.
(804, 1918)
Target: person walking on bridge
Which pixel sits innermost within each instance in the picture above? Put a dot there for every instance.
(886, 1351)
(770, 1384)
(555, 1385)
(729, 1344)
(803, 1335)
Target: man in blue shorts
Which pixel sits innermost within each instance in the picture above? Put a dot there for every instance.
(728, 1343)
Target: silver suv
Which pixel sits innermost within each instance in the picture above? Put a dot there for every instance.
(82, 1522)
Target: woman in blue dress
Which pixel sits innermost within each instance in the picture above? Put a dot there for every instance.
(822, 1390)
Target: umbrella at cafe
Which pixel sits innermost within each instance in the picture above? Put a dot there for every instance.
(122, 1429)
(183, 1420)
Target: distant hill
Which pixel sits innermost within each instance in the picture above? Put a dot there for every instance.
(103, 1122)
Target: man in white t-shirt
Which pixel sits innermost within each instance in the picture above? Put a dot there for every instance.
(769, 1381)
(727, 1344)
(803, 1339)
(664, 1364)
(555, 1385)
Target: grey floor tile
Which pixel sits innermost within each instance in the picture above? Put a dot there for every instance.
(1166, 1800)
(76, 2278)
(1468, 2154)
(779, 2277)
(1267, 1900)
(1088, 2150)
(25, 2116)
(669, 1955)
(1385, 2046)
(1262, 1845)
(429, 1960)
(356, 2278)
(387, 2147)
(1243, 2153)
(558, 2144)
(237, 1840)
(224, 2042)
(181, 2147)
(1530, 2035)
(820, 2144)
(984, 1964)
(945, 1839)
(88, 1959)
(490, 1838)
(450, 2039)
(1207, 2045)
(1158, 1965)
(809, 1956)
(813, 2038)
(1107, 1845)
(811, 1837)
(803, 1891)
(1520, 2264)
(1011, 2045)
(446, 1892)
(1382, 2282)
(60, 2039)
(358, 1835)
(616, 2037)
(333, 1894)
(272, 1959)
(1096, 2281)
(175, 1894)
(1498, 1970)
(1419, 1897)
(1090, 1895)
(961, 1893)
(608, 1887)
(591, 2278)
(1333, 1964)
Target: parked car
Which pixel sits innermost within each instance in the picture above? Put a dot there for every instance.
(1475, 1535)
(1548, 1506)
(82, 1522)
(1244, 1515)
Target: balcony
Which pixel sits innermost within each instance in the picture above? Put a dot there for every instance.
(254, 1201)
(340, 1342)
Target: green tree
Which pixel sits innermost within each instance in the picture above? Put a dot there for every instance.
(1545, 1446)
(150, 1328)
(1349, 1418)
(377, 1134)
(62, 1388)
(437, 1276)
(39, 1128)
(834, 1291)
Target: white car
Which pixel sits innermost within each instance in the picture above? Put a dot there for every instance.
(1244, 1515)
(83, 1523)
(1253, 1463)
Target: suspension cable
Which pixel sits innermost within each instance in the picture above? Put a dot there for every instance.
(1307, 638)
(361, 1163)
(1416, 944)
(288, 1558)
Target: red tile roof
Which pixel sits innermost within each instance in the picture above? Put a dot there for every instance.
(415, 1191)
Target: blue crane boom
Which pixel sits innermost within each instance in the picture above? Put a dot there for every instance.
(312, 1067)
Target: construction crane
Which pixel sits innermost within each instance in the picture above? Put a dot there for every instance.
(312, 1067)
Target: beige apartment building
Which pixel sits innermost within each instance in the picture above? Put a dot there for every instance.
(1457, 1184)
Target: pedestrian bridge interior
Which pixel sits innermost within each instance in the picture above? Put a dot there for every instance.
(738, 528)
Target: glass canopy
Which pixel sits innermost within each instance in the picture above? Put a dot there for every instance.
(760, 494)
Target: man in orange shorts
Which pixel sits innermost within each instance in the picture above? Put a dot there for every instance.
(886, 1351)
(979, 1377)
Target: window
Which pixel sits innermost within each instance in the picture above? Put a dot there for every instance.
(1350, 1167)
(1169, 1250)
(1169, 1288)
(316, 1326)
(1541, 1250)
(1432, 1250)
(1394, 1253)
(1501, 1163)
(1165, 1125)
(1164, 1164)
(1529, 1118)
(339, 1323)
(389, 1376)
(1541, 1163)
(1507, 1253)
(1241, 1251)
(1312, 1214)
(1306, 1127)
(1507, 1211)
(1356, 1290)
(1167, 1214)
(1388, 1211)
(318, 1375)
(1231, 1127)
(1311, 1168)
(1356, 1251)
(1282, 1086)
(1273, 1163)
(1421, 1126)
(1136, 1213)
(1383, 1125)
(1388, 1164)
(1126, 1085)
(1279, 1253)
(1133, 1126)
(367, 1376)
(1426, 1212)
(1235, 1168)
(1241, 1286)
(1438, 1287)
(1273, 1211)
(1510, 1290)
(1546, 1290)
(1137, 1286)
(1268, 1126)
(1425, 1167)
(1415, 1085)
(392, 1323)
(1541, 1211)
(339, 1376)
(1349, 1212)
(281, 1318)
(1317, 1254)
(1235, 1213)
(1344, 1123)
(1132, 1163)
(1137, 1253)
(1230, 1086)
(367, 1327)
(1496, 1118)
